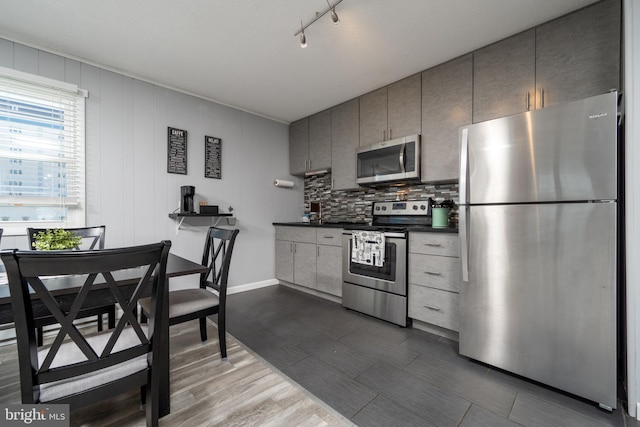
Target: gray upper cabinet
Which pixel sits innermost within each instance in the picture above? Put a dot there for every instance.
(504, 77)
(298, 147)
(320, 140)
(447, 92)
(373, 117)
(345, 120)
(310, 143)
(578, 55)
(404, 107)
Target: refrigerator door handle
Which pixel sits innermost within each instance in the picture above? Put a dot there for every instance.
(464, 248)
(464, 157)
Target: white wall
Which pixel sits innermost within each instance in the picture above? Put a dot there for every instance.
(632, 197)
(128, 188)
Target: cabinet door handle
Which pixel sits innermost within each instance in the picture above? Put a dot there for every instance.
(384, 134)
(327, 237)
(433, 245)
(432, 307)
(390, 137)
(291, 247)
(294, 248)
(528, 101)
(541, 97)
(433, 273)
(317, 251)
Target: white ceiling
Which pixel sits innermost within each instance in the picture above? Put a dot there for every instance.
(243, 53)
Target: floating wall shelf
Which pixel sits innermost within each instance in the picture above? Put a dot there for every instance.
(180, 217)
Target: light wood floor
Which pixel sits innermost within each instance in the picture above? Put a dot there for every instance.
(205, 391)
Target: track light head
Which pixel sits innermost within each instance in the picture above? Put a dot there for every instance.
(334, 15)
(303, 38)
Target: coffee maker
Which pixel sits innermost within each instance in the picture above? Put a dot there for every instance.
(186, 198)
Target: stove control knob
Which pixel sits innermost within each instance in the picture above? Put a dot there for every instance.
(423, 207)
(384, 208)
(415, 207)
(377, 208)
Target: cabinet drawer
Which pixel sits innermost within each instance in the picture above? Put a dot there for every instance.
(434, 306)
(444, 244)
(438, 272)
(329, 236)
(296, 234)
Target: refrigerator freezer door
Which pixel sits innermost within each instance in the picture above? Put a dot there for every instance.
(540, 300)
(562, 153)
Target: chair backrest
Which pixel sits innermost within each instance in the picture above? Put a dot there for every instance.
(92, 237)
(217, 256)
(123, 274)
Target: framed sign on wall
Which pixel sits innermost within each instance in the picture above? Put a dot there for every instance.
(212, 157)
(176, 151)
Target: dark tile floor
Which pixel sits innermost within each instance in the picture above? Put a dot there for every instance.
(378, 374)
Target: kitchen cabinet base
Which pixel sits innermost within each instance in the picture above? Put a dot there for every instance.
(324, 295)
(436, 330)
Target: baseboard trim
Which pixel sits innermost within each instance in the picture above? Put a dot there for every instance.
(251, 286)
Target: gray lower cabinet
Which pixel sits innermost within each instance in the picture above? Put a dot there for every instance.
(434, 279)
(329, 262)
(296, 255)
(578, 55)
(447, 93)
(310, 257)
(304, 264)
(504, 77)
(345, 137)
(284, 260)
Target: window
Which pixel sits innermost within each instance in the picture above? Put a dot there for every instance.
(41, 152)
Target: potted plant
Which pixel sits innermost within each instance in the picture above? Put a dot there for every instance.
(56, 239)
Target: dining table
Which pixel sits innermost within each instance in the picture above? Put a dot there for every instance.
(66, 290)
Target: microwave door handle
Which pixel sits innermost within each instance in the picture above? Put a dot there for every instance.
(401, 158)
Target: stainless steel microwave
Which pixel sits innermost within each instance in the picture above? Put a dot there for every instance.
(389, 161)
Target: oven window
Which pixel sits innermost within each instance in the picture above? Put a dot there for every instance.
(386, 272)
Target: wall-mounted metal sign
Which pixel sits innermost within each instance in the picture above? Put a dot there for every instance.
(177, 151)
(212, 157)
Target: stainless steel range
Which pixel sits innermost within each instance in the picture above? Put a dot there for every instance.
(379, 287)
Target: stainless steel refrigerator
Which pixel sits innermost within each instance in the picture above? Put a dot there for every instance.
(538, 219)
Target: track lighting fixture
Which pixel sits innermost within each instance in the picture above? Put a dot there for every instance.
(334, 18)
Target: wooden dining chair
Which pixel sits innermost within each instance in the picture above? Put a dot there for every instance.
(92, 238)
(198, 303)
(82, 367)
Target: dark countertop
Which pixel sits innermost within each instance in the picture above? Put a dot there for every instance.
(416, 228)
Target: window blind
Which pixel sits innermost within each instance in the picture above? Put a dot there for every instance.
(41, 147)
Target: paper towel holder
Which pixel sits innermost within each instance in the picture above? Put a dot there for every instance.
(283, 183)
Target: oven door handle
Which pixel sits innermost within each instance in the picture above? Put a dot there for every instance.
(387, 234)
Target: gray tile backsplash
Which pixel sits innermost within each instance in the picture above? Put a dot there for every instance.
(355, 205)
